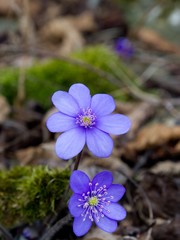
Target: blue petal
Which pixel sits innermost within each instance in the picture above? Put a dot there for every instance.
(114, 124)
(106, 224)
(102, 104)
(115, 211)
(59, 122)
(99, 142)
(79, 182)
(82, 95)
(81, 227)
(65, 103)
(117, 191)
(73, 205)
(103, 178)
(70, 143)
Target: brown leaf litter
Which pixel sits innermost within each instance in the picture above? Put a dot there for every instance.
(157, 137)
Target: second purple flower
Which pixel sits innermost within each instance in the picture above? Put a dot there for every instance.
(95, 201)
(85, 120)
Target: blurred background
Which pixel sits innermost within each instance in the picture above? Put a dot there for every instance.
(127, 48)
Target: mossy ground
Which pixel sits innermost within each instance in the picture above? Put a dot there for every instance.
(43, 79)
(30, 193)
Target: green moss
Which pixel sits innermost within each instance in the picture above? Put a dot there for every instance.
(8, 82)
(42, 79)
(30, 193)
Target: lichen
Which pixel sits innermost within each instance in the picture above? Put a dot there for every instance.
(30, 193)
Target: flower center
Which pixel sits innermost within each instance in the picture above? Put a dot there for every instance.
(93, 201)
(86, 118)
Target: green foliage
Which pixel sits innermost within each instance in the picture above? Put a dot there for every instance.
(30, 193)
(42, 79)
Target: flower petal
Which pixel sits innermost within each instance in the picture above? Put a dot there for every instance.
(99, 142)
(73, 205)
(106, 224)
(79, 182)
(65, 103)
(81, 227)
(82, 95)
(59, 122)
(117, 191)
(103, 178)
(102, 104)
(114, 124)
(70, 143)
(115, 211)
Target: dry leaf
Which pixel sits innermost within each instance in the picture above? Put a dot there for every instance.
(141, 113)
(98, 234)
(167, 231)
(151, 137)
(166, 167)
(9, 7)
(84, 22)
(63, 35)
(43, 154)
(91, 164)
(163, 194)
(154, 40)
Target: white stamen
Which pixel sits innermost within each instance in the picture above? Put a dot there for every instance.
(94, 202)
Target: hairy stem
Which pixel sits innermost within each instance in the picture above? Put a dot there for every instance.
(77, 161)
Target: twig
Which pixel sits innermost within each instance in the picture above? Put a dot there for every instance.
(56, 227)
(151, 217)
(148, 237)
(5, 233)
(77, 62)
(137, 92)
(116, 80)
(21, 87)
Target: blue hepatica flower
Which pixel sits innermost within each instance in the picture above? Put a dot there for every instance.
(124, 48)
(85, 120)
(95, 201)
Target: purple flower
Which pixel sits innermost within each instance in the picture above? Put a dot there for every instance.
(124, 48)
(85, 120)
(95, 201)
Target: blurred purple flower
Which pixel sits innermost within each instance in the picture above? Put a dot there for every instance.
(85, 120)
(95, 201)
(124, 48)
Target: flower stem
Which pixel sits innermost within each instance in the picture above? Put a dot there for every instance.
(77, 161)
(56, 227)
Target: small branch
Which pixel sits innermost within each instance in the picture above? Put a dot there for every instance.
(135, 90)
(21, 87)
(117, 78)
(151, 216)
(56, 227)
(148, 237)
(5, 233)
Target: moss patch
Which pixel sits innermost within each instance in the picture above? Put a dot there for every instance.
(30, 193)
(42, 79)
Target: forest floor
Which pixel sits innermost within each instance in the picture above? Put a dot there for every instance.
(146, 159)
